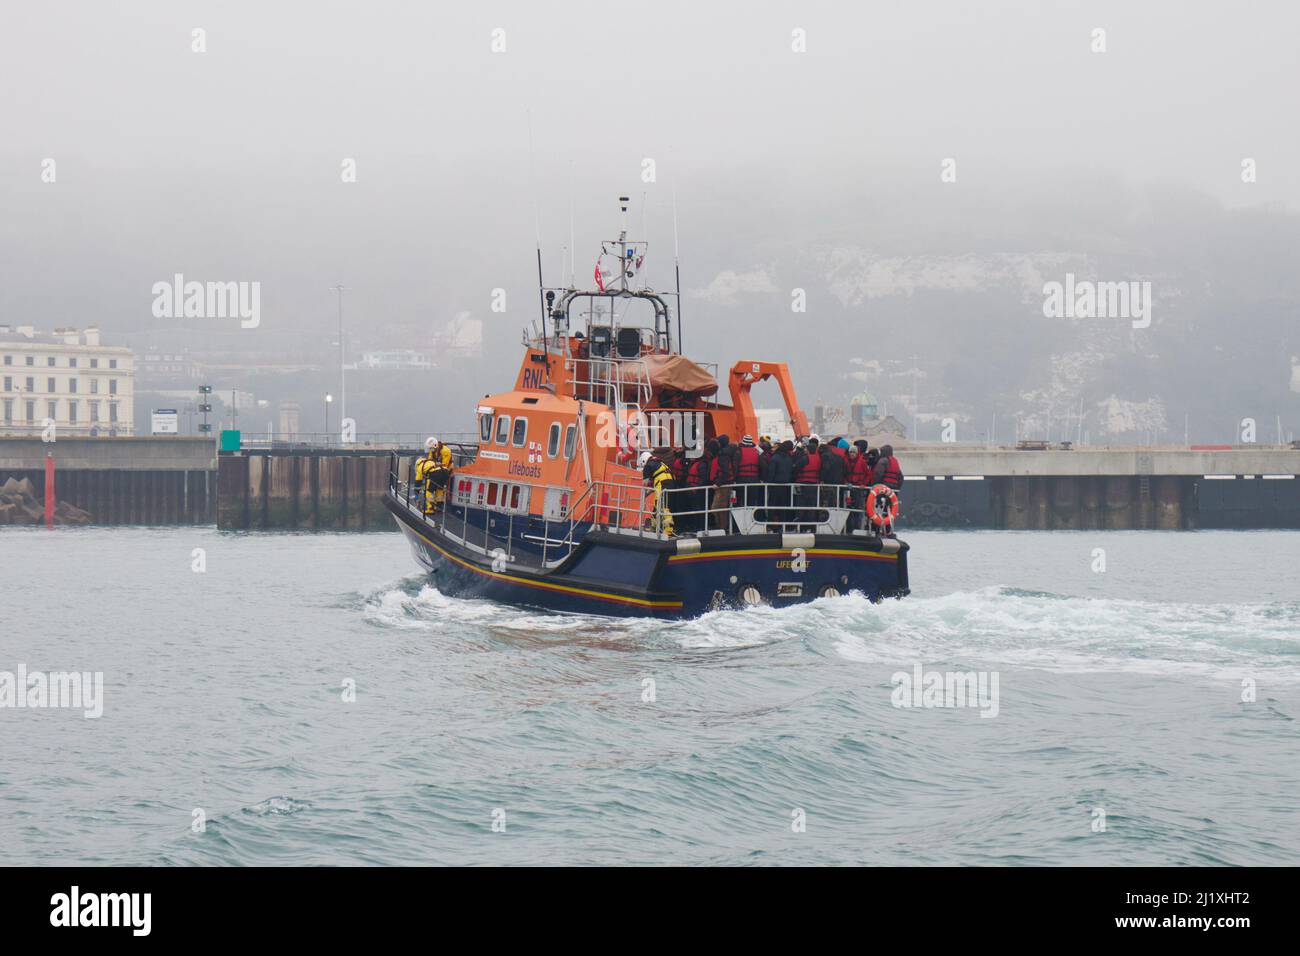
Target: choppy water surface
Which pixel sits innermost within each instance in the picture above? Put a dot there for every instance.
(1119, 692)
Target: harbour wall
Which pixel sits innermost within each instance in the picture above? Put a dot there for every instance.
(182, 480)
(122, 481)
(320, 489)
(1100, 488)
(1077, 503)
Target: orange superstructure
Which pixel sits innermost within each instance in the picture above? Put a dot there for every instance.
(575, 418)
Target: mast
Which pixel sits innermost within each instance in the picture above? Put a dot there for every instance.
(537, 222)
(677, 269)
(622, 244)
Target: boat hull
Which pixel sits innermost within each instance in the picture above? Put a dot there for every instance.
(626, 575)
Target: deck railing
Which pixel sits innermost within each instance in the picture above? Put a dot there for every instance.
(629, 507)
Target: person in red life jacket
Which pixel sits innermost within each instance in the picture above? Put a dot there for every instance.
(699, 480)
(676, 462)
(749, 471)
(859, 466)
(807, 478)
(726, 458)
(678, 466)
(724, 475)
(888, 472)
(859, 476)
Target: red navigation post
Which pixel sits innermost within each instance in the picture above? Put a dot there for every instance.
(49, 490)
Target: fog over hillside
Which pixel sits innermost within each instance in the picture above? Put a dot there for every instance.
(913, 179)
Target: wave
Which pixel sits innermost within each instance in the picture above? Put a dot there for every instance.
(1061, 633)
(998, 625)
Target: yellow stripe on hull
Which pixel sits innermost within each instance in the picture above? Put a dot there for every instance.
(546, 585)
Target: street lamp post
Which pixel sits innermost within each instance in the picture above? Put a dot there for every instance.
(343, 384)
(328, 401)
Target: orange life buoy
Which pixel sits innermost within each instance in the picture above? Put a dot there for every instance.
(877, 519)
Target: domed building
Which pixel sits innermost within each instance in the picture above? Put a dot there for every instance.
(863, 408)
(869, 420)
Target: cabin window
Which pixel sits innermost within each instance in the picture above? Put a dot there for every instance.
(553, 440)
(492, 493)
(480, 489)
(463, 491)
(485, 427)
(521, 431)
(570, 442)
(503, 429)
(514, 497)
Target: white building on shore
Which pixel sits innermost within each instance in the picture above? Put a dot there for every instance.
(65, 377)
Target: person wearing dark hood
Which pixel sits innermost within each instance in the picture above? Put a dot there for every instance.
(690, 500)
(873, 456)
(834, 473)
(780, 474)
(724, 475)
(765, 449)
(888, 472)
(678, 465)
(726, 460)
(699, 480)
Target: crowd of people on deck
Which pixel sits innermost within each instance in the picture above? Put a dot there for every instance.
(789, 481)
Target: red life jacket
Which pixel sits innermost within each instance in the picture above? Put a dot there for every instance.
(859, 471)
(695, 475)
(679, 468)
(893, 473)
(747, 466)
(811, 472)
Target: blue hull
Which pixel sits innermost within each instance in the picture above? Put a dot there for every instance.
(623, 575)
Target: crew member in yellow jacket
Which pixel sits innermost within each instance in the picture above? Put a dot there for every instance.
(659, 476)
(433, 472)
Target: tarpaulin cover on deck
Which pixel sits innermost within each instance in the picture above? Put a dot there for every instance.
(679, 373)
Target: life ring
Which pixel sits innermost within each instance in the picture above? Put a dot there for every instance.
(877, 519)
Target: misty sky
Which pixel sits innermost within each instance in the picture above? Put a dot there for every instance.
(225, 165)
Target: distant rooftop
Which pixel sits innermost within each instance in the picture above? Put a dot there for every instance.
(60, 336)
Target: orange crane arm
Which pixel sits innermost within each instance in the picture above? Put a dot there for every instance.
(743, 376)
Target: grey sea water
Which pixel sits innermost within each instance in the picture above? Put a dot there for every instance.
(1120, 699)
